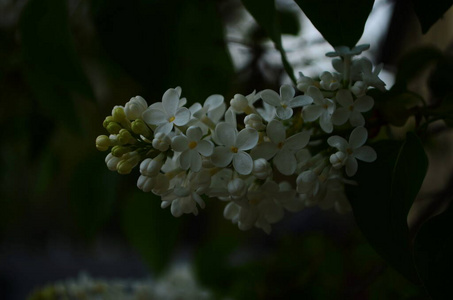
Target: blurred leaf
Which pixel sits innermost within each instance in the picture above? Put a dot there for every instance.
(92, 194)
(385, 192)
(48, 48)
(429, 12)
(440, 79)
(433, 254)
(413, 62)
(395, 107)
(341, 23)
(151, 230)
(265, 14)
(289, 22)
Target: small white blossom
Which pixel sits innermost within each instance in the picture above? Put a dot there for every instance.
(304, 82)
(322, 108)
(329, 81)
(161, 141)
(351, 110)
(346, 52)
(370, 77)
(254, 121)
(262, 168)
(285, 102)
(353, 149)
(135, 107)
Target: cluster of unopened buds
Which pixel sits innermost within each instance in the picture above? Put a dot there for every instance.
(289, 152)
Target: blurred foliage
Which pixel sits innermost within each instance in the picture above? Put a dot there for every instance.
(428, 12)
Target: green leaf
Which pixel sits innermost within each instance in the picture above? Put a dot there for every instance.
(385, 192)
(341, 23)
(413, 62)
(265, 14)
(433, 254)
(48, 48)
(150, 229)
(289, 22)
(429, 12)
(92, 194)
(395, 106)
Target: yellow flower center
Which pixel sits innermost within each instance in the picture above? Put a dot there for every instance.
(234, 149)
(280, 145)
(349, 150)
(351, 108)
(192, 144)
(171, 119)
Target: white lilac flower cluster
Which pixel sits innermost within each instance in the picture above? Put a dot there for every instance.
(291, 151)
(178, 283)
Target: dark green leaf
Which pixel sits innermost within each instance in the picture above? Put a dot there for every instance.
(48, 48)
(265, 14)
(413, 62)
(92, 194)
(289, 22)
(394, 106)
(433, 254)
(383, 197)
(151, 230)
(428, 12)
(341, 23)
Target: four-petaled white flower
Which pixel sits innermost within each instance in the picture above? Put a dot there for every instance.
(285, 101)
(370, 77)
(233, 147)
(191, 146)
(280, 148)
(351, 110)
(346, 52)
(322, 108)
(353, 150)
(167, 114)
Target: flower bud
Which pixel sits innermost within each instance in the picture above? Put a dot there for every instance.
(237, 188)
(135, 107)
(102, 143)
(118, 150)
(329, 81)
(113, 128)
(128, 162)
(111, 162)
(146, 183)
(107, 121)
(161, 142)
(239, 103)
(359, 88)
(125, 137)
(254, 121)
(261, 168)
(162, 184)
(151, 167)
(139, 127)
(119, 116)
(338, 159)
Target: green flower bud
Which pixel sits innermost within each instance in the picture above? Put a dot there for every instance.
(128, 162)
(114, 128)
(139, 127)
(102, 143)
(125, 137)
(107, 121)
(120, 116)
(119, 151)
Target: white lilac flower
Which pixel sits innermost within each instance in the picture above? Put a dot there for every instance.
(329, 81)
(151, 167)
(351, 110)
(167, 114)
(346, 52)
(237, 188)
(370, 77)
(244, 104)
(353, 149)
(191, 146)
(209, 114)
(304, 82)
(282, 149)
(254, 121)
(322, 108)
(285, 102)
(135, 107)
(262, 168)
(267, 112)
(161, 141)
(233, 147)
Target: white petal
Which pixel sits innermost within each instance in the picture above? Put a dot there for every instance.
(326, 122)
(242, 163)
(154, 116)
(351, 166)
(284, 113)
(179, 143)
(297, 141)
(221, 156)
(271, 97)
(340, 116)
(247, 139)
(264, 150)
(164, 128)
(194, 108)
(300, 101)
(356, 119)
(195, 161)
(338, 142)
(276, 131)
(358, 137)
(230, 117)
(185, 158)
(316, 94)
(182, 116)
(312, 112)
(194, 133)
(226, 134)
(213, 102)
(216, 114)
(363, 104)
(170, 101)
(285, 162)
(287, 92)
(205, 148)
(344, 97)
(365, 153)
